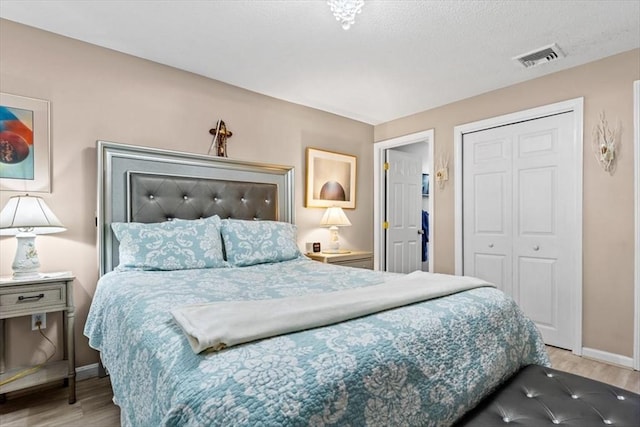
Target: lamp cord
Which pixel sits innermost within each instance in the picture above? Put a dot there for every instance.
(33, 369)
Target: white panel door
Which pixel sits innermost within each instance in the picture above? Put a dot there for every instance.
(517, 189)
(487, 220)
(404, 212)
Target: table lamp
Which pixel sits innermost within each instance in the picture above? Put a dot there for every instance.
(333, 218)
(25, 217)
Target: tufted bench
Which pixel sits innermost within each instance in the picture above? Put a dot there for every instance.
(538, 396)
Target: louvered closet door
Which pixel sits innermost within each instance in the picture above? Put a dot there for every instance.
(517, 188)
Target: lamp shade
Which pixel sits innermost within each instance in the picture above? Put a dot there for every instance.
(28, 214)
(334, 216)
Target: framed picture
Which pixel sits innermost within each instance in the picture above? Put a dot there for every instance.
(24, 144)
(331, 179)
(425, 184)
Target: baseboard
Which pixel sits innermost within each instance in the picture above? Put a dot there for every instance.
(86, 372)
(604, 356)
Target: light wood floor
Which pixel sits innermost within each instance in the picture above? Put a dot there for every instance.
(621, 377)
(94, 407)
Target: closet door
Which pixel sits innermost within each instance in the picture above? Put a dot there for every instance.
(487, 206)
(517, 188)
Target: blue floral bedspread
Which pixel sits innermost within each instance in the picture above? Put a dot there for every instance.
(425, 364)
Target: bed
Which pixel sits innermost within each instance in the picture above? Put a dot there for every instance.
(426, 363)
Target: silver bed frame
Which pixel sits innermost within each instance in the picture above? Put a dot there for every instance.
(144, 184)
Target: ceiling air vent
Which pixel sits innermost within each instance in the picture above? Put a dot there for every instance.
(540, 56)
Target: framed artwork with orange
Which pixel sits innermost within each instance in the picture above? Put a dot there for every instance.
(331, 179)
(24, 144)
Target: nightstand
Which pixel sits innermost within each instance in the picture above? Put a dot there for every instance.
(359, 259)
(45, 294)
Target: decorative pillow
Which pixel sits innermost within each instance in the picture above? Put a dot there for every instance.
(258, 242)
(170, 245)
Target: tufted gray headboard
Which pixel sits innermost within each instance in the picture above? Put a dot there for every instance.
(161, 197)
(140, 184)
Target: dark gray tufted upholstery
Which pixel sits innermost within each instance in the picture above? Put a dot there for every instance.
(157, 198)
(538, 396)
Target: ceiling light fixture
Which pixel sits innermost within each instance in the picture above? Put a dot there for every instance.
(345, 11)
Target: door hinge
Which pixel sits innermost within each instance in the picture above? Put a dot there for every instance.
(385, 225)
(386, 166)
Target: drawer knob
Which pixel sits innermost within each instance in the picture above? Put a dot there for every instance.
(33, 297)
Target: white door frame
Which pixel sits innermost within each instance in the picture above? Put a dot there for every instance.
(576, 105)
(636, 168)
(378, 191)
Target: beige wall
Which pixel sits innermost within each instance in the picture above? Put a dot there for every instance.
(97, 93)
(608, 236)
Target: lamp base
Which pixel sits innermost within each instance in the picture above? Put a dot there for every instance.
(26, 263)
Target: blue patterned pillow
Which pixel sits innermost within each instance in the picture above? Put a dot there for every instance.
(258, 242)
(170, 245)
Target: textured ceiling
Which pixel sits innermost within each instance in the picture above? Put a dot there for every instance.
(400, 57)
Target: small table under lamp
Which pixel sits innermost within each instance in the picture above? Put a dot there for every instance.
(25, 217)
(333, 218)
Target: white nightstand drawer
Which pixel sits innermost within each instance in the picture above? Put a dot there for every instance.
(358, 259)
(33, 297)
(358, 263)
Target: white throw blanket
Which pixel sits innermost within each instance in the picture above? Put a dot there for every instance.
(224, 324)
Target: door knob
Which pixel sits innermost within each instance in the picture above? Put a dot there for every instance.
(421, 231)
(536, 247)
(490, 245)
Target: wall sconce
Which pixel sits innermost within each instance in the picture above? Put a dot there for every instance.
(25, 217)
(442, 171)
(333, 218)
(604, 144)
